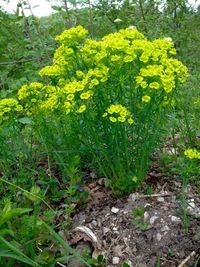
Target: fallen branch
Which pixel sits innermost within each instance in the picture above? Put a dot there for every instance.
(19, 61)
(156, 195)
(192, 254)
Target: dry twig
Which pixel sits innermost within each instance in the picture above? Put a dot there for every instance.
(192, 254)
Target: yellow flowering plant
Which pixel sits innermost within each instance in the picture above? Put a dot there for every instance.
(106, 101)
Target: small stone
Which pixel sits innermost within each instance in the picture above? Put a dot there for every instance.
(115, 260)
(165, 208)
(94, 223)
(191, 205)
(160, 199)
(147, 206)
(146, 215)
(104, 243)
(114, 210)
(153, 219)
(133, 197)
(125, 240)
(175, 219)
(173, 198)
(165, 229)
(105, 230)
(93, 175)
(115, 229)
(102, 181)
(158, 236)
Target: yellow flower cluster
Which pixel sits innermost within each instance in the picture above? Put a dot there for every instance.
(36, 96)
(118, 113)
(54, 70)
(163, 75)
(83, 89)
(72, 36)
(7, 106)
(83, 71)
(192, 153)
(146, 98)
(30, 90)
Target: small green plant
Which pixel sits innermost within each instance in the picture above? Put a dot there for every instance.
(125, 265)
(139, 219)
(191, 167)
(171, 252)
(149, 190)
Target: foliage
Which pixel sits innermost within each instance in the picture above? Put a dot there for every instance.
(112, 94)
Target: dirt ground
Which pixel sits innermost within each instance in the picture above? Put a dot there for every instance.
(157, 233)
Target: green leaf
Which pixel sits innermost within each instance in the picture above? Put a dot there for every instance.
(25, 120)
(33, 194)
(8, 213)
(6, 232)
(100, 258)
(57, 8)
(125, 265)
(9, 254)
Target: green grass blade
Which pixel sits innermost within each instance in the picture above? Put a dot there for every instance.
(20, 254)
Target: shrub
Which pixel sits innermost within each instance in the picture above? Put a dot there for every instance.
(104, 102)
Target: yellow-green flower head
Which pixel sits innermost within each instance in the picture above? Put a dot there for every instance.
(86, 94)
(116, 58)
(8, 106)
(118, 113)
(128, 58)
(63, 56)
(154, 85)
(54, 70)
(33, 89)
(146, 98)
(81, 109)
(192, 154)
(72, 36)
(115, 41)
(50, 104)
(79, 74)
(74, 86)
(131, 33)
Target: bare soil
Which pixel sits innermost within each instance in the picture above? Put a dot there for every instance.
(164, 236)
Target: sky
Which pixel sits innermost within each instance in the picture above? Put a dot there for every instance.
(43, 7)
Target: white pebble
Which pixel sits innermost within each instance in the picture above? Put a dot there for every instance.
(158, 236)
(105, 230)
(165, 228)
(147, 205)
(133, 196)
(146, 215)
(115, 260)
(175, 219)
(160, 199)
(114, 210)
(153, 219)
